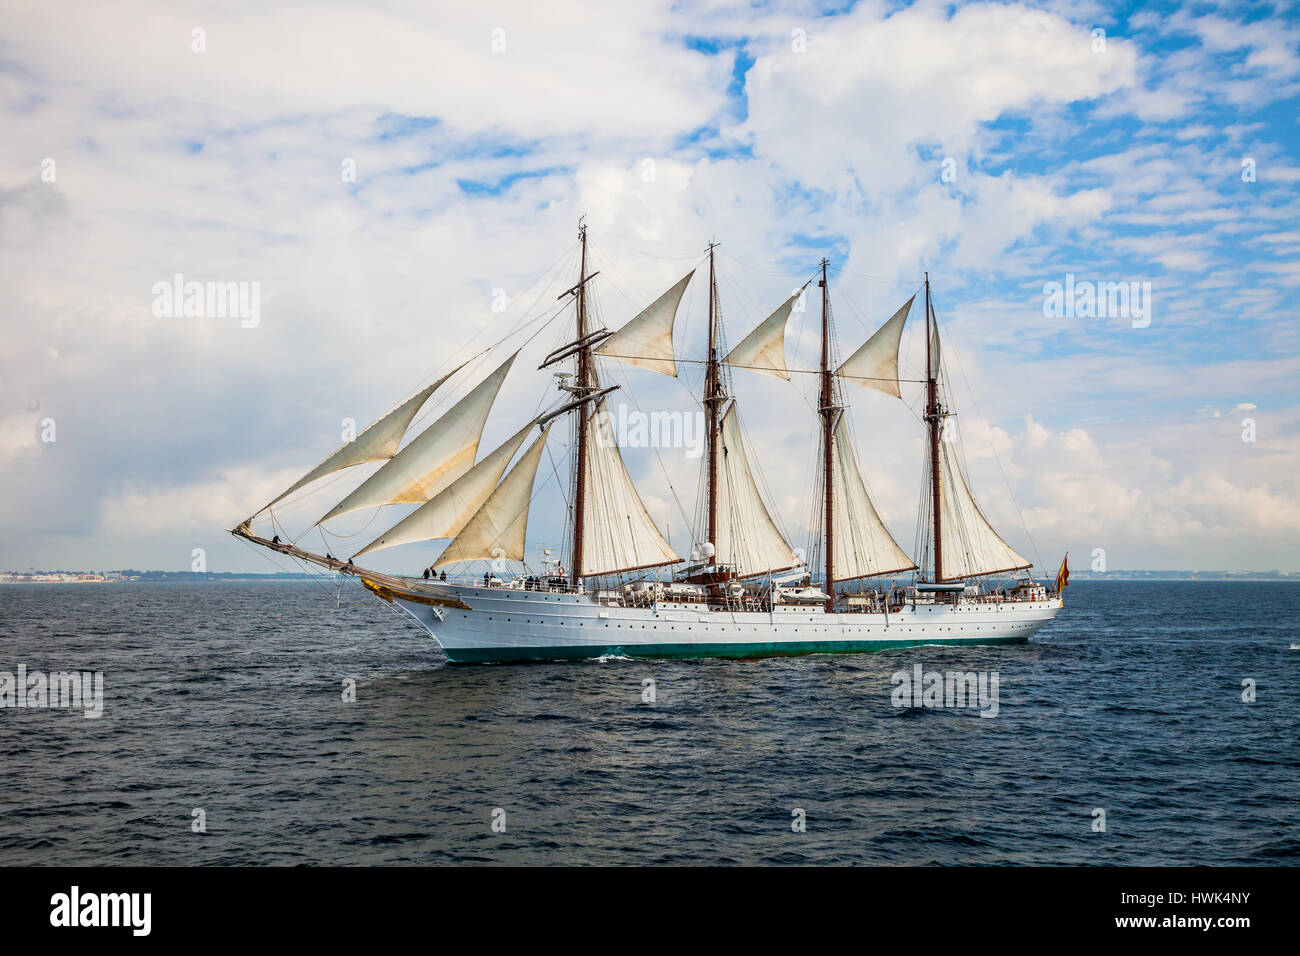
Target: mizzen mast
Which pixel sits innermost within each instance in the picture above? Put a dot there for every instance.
(965, 545)
(826, 408)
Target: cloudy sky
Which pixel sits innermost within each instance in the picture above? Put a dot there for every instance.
(392, 174)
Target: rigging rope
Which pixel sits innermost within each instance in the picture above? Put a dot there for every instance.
(996, 457)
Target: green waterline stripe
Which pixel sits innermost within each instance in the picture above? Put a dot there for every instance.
(512, 655)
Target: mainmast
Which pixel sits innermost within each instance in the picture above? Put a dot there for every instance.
(826, 408)
(933, 415)
(713, 399)
(584, 386)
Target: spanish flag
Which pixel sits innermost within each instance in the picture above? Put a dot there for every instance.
(1063, 575)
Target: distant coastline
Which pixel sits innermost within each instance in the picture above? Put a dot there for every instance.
(1143, 575)
(218, 577)
(132, 576)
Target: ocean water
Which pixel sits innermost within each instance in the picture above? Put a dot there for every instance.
(228, 698)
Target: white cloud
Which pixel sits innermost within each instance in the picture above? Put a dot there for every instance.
(879, 86)
(552, 69)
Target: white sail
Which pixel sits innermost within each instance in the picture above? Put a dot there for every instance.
(445, 514)
(763, 350)
(496, 530)
(618, 532)
(862, 544)
(875, 365)
(970, 545)
(647, 340)
(379, 440)
(748, 539)
(435, 458)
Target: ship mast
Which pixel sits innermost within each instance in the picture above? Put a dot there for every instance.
(826, 408)
(933, 415)
(585, 385)
(713, 399)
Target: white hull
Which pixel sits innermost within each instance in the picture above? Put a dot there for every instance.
(507, 624)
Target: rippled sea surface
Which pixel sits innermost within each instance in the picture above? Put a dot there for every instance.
(228, 698)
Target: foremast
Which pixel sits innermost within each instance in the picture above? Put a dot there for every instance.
(585, 385)
(827, 408)
(613, 532)
(934, 415)
(483, 513)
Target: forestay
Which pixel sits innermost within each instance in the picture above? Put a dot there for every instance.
(435, 458)
(647, 340)
(445, 514)
(378, 442)
(496, 531)
(763, 349)
(875, 364)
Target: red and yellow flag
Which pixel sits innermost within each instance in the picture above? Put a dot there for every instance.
(1063, 575)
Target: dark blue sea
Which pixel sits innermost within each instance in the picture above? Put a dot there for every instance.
(228, 698)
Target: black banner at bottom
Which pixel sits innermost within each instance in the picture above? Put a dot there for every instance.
(332, 905)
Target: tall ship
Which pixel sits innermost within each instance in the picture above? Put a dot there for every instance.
(617, 587)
